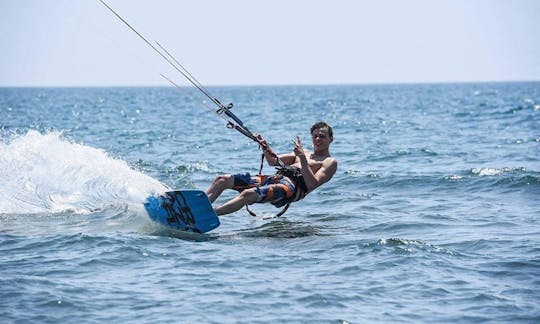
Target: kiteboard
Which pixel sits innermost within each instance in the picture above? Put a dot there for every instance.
(185, 210)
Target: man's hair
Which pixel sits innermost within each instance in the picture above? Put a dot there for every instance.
(322, 125)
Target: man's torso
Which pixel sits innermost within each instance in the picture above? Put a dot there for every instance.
(315, 162)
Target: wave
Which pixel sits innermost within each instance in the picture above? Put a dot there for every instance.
(407, 245)
(283, 228)
(45, 173)
(513, 177)
(495, 172)
(485, 178)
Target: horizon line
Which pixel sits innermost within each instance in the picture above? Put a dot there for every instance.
(274, 85)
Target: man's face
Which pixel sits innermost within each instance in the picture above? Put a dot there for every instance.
(321, 139)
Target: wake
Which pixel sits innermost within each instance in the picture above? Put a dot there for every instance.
(44, 173)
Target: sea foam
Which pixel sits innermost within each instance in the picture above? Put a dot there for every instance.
(42, 173)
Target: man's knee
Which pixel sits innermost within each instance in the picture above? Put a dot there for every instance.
(224, 181)
(249, 196)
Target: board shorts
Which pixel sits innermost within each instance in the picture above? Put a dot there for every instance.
(275, 189)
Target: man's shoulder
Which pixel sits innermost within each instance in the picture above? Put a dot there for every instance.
(330, 164)
(330, 160)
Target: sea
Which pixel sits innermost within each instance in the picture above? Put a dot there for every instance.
(433, 215)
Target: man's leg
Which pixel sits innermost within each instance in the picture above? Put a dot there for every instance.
(219, 184)
(244, 198)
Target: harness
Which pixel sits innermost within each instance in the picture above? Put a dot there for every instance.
(295, 174)
(300, 188)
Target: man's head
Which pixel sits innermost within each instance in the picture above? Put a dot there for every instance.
(322, 136)
(323, 125)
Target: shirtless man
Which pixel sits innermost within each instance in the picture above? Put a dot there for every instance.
(316, 168)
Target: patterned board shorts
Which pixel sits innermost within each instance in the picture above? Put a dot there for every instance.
(275, 189)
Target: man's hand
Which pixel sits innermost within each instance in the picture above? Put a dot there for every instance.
(298, 149)
(263, 143)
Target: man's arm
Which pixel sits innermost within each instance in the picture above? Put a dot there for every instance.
(314, 180)
(271, 157)
(287, 159)
(325, 173)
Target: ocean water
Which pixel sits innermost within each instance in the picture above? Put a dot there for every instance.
(433, 215)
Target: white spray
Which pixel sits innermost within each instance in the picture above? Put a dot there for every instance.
(43, 173)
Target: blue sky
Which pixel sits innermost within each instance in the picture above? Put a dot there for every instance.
(249, 42)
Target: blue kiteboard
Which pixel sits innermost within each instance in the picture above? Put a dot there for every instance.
(185, 210)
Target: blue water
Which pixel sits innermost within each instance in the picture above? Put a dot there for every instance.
(433, 215)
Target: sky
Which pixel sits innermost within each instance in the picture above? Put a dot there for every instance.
(269, 42)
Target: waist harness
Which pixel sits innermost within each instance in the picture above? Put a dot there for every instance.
(295, 174)
(300, 188)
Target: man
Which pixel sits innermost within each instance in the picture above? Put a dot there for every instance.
(315, 168)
